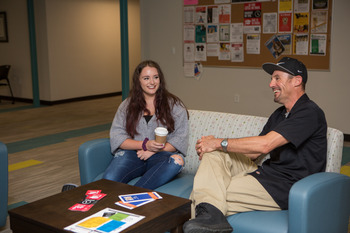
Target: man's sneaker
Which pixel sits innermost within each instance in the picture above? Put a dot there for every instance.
(209, 219)
(69, 186)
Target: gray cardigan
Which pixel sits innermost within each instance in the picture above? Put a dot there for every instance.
(178, 138)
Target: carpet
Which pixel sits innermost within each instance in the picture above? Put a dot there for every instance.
(18, 146)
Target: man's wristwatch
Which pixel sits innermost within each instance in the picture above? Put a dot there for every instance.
(224, 144)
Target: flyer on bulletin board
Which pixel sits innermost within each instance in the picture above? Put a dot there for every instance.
(190, 2)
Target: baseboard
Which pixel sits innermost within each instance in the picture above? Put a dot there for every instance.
(50, 103)
(9, 98)
(91, 97)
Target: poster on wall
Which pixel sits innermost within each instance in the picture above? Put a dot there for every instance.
(201, 33)
(237, 52)
(253, 44)
(285, 22)
(301, 22)
(270, 23)
(286, 40)
(301, 5)
(189, 33)
(213, 50)
(190, 2)
(201, 15)
(189, 14)
(213, 14)
(252, 14)
(318, 44)
(200, 52)
(319, 4)
(224, 52)
(189, 52)
(319, 21)
(236, 32)
(301, 42)
(212, 33)
(221, 1)
(285, 5)
(224, 13)
(224, 32)
(275, 46)
(3, 27)
(246, 1)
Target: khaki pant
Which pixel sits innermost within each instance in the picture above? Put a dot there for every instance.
(222, 181)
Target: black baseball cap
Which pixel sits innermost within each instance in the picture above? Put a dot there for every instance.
(289, 65)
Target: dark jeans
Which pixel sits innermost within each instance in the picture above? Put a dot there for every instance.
(159, 169)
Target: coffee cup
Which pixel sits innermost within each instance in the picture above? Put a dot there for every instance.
(161, 134)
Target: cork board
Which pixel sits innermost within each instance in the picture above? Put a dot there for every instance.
(308, 35)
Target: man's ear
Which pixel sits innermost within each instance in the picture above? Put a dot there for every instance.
(298, 80)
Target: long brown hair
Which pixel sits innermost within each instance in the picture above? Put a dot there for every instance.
(164, 101)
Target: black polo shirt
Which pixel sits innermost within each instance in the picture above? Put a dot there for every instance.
(305, 128)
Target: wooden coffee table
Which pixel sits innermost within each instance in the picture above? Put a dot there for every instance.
(51, 214)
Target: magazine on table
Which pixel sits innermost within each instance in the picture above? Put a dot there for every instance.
(131, 201)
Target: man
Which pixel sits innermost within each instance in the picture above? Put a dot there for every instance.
(228, 181)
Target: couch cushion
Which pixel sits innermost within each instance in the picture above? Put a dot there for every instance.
(335, 140)
(180, 186)
(260, 222)
(230, 125)
(219, 124)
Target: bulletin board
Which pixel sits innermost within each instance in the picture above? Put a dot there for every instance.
(306, 37)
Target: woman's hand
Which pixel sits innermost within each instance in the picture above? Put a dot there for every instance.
(154, 146)
(144, 155)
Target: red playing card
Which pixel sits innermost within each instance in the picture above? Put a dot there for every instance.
(90, 192)
(98, 196)
(80, 207)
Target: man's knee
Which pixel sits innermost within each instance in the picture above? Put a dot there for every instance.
(178, 159)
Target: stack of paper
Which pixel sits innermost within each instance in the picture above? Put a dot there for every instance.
(131, 201)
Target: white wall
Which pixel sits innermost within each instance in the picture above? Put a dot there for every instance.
(16, 51)
(83, 47)
(161, 30)
(78, 46)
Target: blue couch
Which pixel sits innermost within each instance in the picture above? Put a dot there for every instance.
(3, 184)
(318, 203)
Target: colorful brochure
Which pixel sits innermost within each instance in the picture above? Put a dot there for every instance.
(107, 220)
(134, 204)
(131, 201)
(127, 198)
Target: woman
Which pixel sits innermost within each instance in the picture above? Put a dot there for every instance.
(136, 153)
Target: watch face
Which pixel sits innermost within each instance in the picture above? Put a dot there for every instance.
(224, 143)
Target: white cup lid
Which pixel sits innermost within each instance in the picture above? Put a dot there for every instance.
(161, 131)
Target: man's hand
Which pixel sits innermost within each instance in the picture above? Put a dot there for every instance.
(206, 144)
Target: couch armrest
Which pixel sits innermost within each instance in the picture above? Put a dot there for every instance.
(320, 203)
(94, 157)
